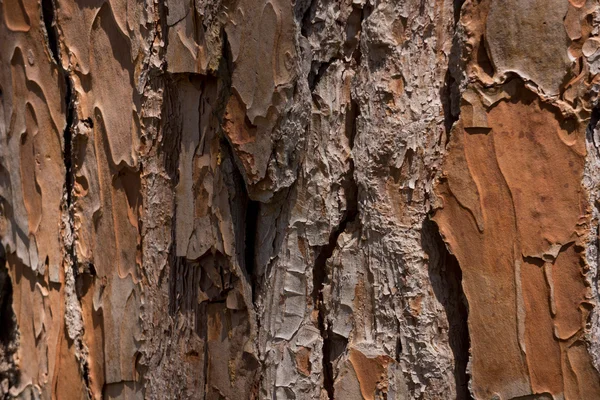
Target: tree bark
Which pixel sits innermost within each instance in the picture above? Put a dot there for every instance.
(299, 199)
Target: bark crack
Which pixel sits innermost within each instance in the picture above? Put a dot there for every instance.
(444, 270)
(251, 221)
(305, 20)
(445, 275)
(251, 207)
(450, 96)
(9, 334)
(331, 341)
(319, 279)
(73, 315)
(334, 345)
(594, 119)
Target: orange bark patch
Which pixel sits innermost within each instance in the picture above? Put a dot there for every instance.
(303, 361)
(371, 372)
(512, 209)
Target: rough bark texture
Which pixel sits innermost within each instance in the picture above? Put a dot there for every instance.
(299, 199)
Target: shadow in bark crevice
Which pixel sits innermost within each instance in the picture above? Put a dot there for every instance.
(9, 334)
(445, 276)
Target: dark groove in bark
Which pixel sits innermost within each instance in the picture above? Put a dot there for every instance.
(590, 137)
(457, 7)
(317, 70)
(48, 14)
(449, 93)
(251, 221)
(68, 152)
(447, 104)
(251, 210)
(9, 332)
(305, 21)
(333, 344)
(319, 279)
(444, 270)
(446, 279)
(330, 342)
(351, 47)
(49, 18)
(398, 349)
(589, 132)
(248, 217)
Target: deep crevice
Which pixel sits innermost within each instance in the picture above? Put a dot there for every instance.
(251, 208)
(251, 220)
(52, 32)
(319, 279)
(483, 58)
(448, 106)
(9, 333)
(7, 315)
(333, 344)
(445, 276)
(350, 128)
(317, 70)
(247, 215)
(398, 349)
(449, 92)
(589, 132)
(49, 17)
(444, 270)
(350, 48)
(457, 6)
(305, 21)
(68, 137)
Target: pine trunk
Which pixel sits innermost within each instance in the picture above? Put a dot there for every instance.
(299, 199)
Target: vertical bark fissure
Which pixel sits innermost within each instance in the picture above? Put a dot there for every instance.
(594, 119)
(48, 16)
(252, 213)
(457, 6)
(319, 279)
(331, 347)
(450, 90)
(249, 225)
(444, 269)
(73, 317)
(305, 18)
(9, 332)
(252, 207)
(446, 279)
(48, 20)
(333, 344)
(592, 159)
(447, 104)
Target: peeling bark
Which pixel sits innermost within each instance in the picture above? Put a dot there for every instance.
(513, 205)
(299, 199)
